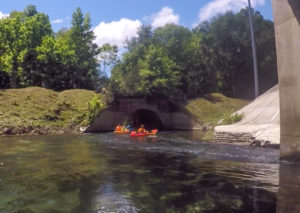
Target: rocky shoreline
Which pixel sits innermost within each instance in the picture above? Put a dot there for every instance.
(243, 138)
(29, 130)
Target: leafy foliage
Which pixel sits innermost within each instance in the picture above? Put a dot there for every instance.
(228, 40)
(170, 61)
(231, 119)
(57, 62)
(94, 107)
(33, 55)
(216, 56)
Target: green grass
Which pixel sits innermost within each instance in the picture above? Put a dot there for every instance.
(36, 107)
(213, 107)
(40, 107)
(232, 118)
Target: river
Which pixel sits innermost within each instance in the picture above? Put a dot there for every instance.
(173, 172)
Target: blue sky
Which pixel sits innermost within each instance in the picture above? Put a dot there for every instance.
(115, 20)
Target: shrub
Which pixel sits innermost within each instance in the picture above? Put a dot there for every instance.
(94, 107)
(232, 118)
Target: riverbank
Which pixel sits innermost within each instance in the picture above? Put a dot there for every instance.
(211, 108)
(40, 111)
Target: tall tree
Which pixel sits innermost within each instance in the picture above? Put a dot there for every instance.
(229, 39)
(86, 51)
(108, 56)
(213, 57)
(35, 27)
(11, 45)
(144, 37)
(20, 34)
(176, 40)
(30, 10)
(57, 61)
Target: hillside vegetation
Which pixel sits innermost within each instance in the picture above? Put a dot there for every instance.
(213, 107)
(36, 110)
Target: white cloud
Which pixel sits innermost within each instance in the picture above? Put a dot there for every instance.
(57, 21)
(3, 15)
(221, 6)
(163, 17)
(116, 32)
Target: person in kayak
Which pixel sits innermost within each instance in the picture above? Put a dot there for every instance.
(119, 128)
(129, 127)
(123, 128)
(141, 129)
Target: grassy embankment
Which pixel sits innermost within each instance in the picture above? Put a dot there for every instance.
(36, 110)
(213, 107)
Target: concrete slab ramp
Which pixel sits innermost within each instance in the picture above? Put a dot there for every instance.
(260, 124)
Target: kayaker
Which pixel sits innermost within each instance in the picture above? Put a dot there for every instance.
(123, 128)
(141, 129)
(119, 127)
(129, 128)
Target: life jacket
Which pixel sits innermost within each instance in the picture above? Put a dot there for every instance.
(141, 130)
(118, 128)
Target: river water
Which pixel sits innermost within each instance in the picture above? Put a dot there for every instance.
(173, 172)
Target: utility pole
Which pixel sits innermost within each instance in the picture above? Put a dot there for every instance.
(256, 89)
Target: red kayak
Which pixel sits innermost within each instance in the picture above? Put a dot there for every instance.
(135, 134)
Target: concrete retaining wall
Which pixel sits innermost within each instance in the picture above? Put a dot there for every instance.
(260, 123)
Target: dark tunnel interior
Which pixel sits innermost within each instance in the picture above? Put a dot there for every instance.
(146, 117)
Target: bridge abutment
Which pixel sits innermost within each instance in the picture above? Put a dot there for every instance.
(168, 115)
(287, 33)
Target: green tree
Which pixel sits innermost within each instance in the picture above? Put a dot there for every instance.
(144, 37)
(200, 76)
(57, 61)
(108, 56)
(30, 10)
(158, 75)
(11, 45)
(176, 40)
(227, 42)
(20, 34)
(86, 51)
(35, 28)
(154, 74)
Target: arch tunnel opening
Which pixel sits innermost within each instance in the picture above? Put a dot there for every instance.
(146, 117)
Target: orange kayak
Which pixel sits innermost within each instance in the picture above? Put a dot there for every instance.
(122, 132)
(135, 134)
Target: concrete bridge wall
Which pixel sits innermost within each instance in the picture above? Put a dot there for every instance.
(287, 33)
(170, 114)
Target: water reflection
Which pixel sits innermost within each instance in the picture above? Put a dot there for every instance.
(289, 188)
(108, 173)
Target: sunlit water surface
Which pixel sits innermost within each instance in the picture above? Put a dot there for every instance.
(173, 172)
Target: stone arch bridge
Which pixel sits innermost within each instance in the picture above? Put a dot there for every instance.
(157, 113)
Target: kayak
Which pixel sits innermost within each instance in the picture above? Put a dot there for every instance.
(135, 134)
(122, 132)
